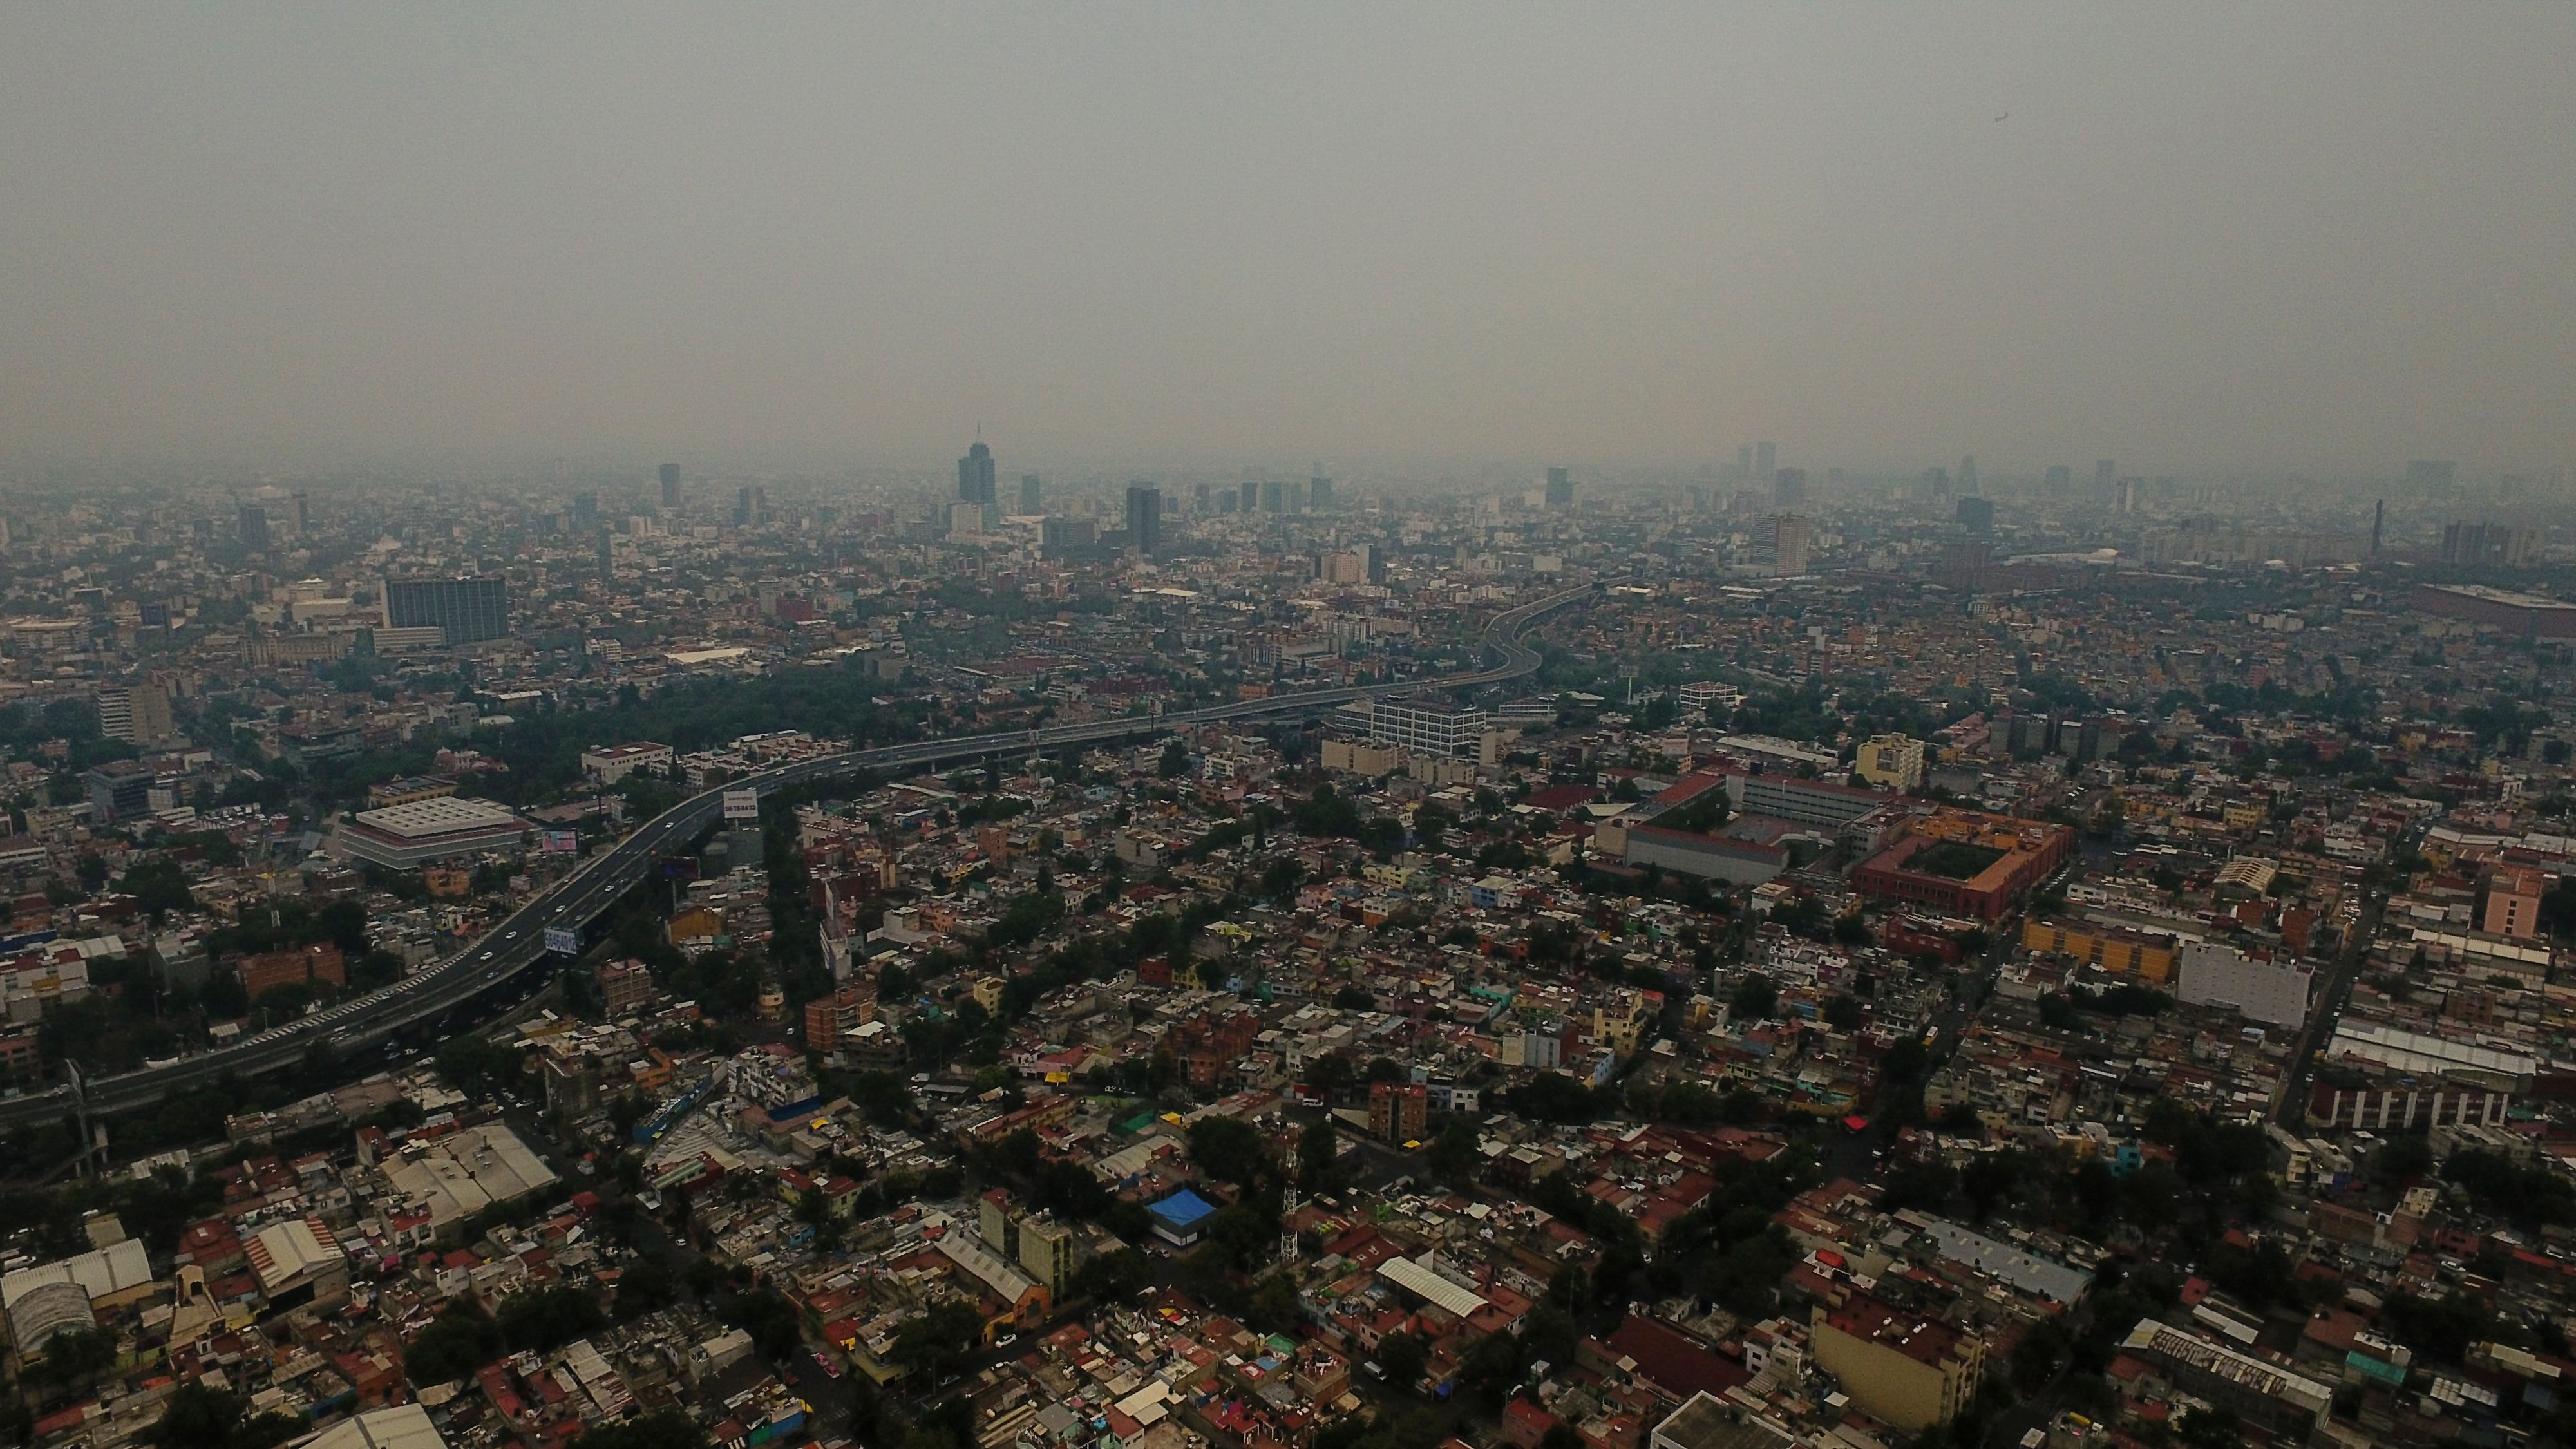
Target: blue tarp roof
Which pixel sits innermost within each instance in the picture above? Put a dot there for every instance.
(1182, 1208)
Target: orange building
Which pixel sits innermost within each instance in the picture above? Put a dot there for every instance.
(1966, 863)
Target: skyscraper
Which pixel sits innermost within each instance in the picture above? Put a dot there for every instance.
(2431, 476)
(1031, 494)
(1977, 515)
(1968, 474)
(303, 513)
(254, 527)
(1251, 496)
(2106, 477)
(742, 507)
(1560, 488)
(670, 485)
(1789, 545)
(469, 609)
(585, 512)
(1789, 487)
(1744, 463)
(1145, 518)
(975, 476)
(1319, 492)
(1274, 496)
(1766, 461)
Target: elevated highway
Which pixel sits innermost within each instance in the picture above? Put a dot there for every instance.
(517, 944)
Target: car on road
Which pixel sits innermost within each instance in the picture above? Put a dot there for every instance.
(1005, 1340)
(829, 1368)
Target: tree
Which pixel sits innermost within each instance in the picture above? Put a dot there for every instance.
(1453, 1156)
(541, 1318)
(939, 1338)
(1318, 1148)
(461, 1340)
(1402, 1355)
(1228, 1149)
(198, 1417)
(661, 1429)
(78, 1354)
(1755, 996)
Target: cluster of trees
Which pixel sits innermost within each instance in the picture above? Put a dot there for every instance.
(464, 1338)
(196, 1416)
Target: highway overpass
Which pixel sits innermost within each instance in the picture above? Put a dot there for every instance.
(514, 945)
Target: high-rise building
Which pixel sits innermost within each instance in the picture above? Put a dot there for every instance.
(1319, 492)
(1789, 488)
(137, 714)
(1251, 496)
(585, 512)
(470, 610)
(2106, 476)
(2059, 480)
(670, 485)
(975, 476)
(153, 725)
(1145, 518)
(742, 507)
(1968, 474)
(116, 713)
(1744, 463)
(1789, 545)
(1274, 496)
(254, 527)
(1032, 494)
(1766, 461)
(1399, 1112)
(303, 513)
(2490, 545)
(1199, 497)
(2431, 476)
(1977, 515)
(1560, 488)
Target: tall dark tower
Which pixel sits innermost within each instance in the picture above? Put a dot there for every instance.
(1032, 494)
(975, 476)
(1145, 518)
(670, 485)
(2378, 520)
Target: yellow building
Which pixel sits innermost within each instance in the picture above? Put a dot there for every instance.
(1046, 1252)
(1909, 1372)
(1622, 1026)
(1892, 762)
(2125, 953)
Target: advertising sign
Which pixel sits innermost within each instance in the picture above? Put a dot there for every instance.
(742, 804)
(563, 940)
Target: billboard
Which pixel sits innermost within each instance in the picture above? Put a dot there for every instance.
(563, 940)
(561, 842)
(742, 804)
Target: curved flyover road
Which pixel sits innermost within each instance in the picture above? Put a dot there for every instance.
(574, 902)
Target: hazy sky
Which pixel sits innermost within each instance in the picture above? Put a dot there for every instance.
(2207, 238)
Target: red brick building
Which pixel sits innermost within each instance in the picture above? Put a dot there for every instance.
(1966, 863)
(269, 970)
